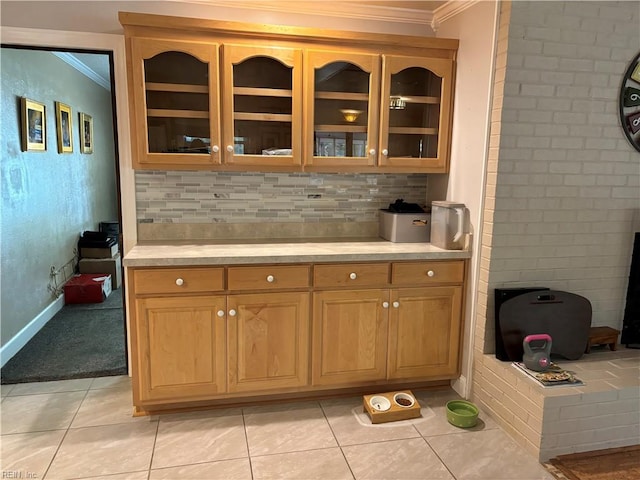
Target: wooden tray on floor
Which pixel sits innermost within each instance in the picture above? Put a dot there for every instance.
(395, 412)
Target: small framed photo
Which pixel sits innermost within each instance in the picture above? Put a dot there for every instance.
(63, 125)
(86, 133)
(34, 128)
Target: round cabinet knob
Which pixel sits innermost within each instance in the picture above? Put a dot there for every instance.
(431, 273)
(179, 282)
(372, 152)
(230, 148)
(396, 304)
(270, 278)
(220, 313)
(385, 304)
(232, 312)
(385, 152)
(215, 149)
(353, 276)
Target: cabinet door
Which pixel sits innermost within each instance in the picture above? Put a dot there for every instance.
(175, 94)
(268, 341)
(262, 105)
(341, 108)
(181, 347)
(349, 336)
(424, 332)
(416, 113)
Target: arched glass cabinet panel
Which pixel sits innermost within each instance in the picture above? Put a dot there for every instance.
(416, 112)
(341, 109)
(176, 107)
(262, 108)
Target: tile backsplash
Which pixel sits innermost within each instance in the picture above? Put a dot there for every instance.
(186, 197)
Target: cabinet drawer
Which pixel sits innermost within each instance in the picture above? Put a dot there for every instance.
(178, 280)
(268, 278)
(351, 275)
(427, 273)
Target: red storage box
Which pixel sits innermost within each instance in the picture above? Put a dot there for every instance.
(87, 288)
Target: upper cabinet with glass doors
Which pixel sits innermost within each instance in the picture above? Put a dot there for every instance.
(341, 109)
(213, 95)
(262, 106)
(415, 118)
(175, 104)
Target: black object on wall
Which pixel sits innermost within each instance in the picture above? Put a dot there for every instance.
(501, 296)
(631, 323)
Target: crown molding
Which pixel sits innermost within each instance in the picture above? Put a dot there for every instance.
(354, 10)
(449, 10)
(84, 69)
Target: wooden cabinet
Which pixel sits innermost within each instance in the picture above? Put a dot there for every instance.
(424, 332)
(262, 105)
(365, 102)
(396, 333)
(415, 119)
(341, 108)
(174, 90)
(205, 333)
(268, 341)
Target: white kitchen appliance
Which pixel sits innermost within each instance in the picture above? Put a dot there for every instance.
(448, 224)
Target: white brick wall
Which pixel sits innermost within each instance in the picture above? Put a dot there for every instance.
(565, 168)
(562, 186)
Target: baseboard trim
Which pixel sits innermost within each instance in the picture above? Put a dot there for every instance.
(460, 386)
(14, 345)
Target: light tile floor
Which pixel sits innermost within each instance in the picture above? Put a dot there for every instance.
(84, 429)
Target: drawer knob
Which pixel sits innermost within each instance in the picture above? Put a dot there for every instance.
(215, 149)
(270, 278)
(232, 312)
(372, 152)
(385, 152)
(230, 148)
(431, 273)
(179, 282)
(353, 276)
(396, 304)
(221, 313)
(385, 304)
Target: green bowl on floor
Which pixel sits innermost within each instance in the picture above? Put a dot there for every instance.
(462, 414)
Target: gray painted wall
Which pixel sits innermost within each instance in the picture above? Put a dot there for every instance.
(48, 198)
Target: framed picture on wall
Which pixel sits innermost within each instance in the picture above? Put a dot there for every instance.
(34, 132)
(86, 133)
(63, 125)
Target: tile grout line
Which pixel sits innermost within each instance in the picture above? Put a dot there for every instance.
(153, 449)
(246, 439)
(438, 457)
(337, 441)
(46, 472)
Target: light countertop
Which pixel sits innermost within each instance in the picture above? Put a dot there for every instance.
(201, 253)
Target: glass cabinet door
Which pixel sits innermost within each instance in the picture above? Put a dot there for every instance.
(341, 109)
(176, 98)
(262, 105)
(415, 112)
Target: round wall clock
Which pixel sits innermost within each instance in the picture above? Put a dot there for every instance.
(630, 103)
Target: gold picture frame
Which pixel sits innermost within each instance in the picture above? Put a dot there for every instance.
(63, 127)
(86, 133)
(34, 125)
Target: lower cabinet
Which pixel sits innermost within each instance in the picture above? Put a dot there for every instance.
(202, 333)
(424, 332)
(180, 347)
(268, 337)
(349, 336)
(365, 335)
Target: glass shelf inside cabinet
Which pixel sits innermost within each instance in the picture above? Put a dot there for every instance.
(177, 96)
(262, 107)
(414, 113)
(341, 110)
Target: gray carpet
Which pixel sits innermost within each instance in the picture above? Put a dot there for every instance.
(80, 341)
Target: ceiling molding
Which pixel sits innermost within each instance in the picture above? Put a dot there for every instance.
(449, 10)
(72, 60)
(355, 10)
